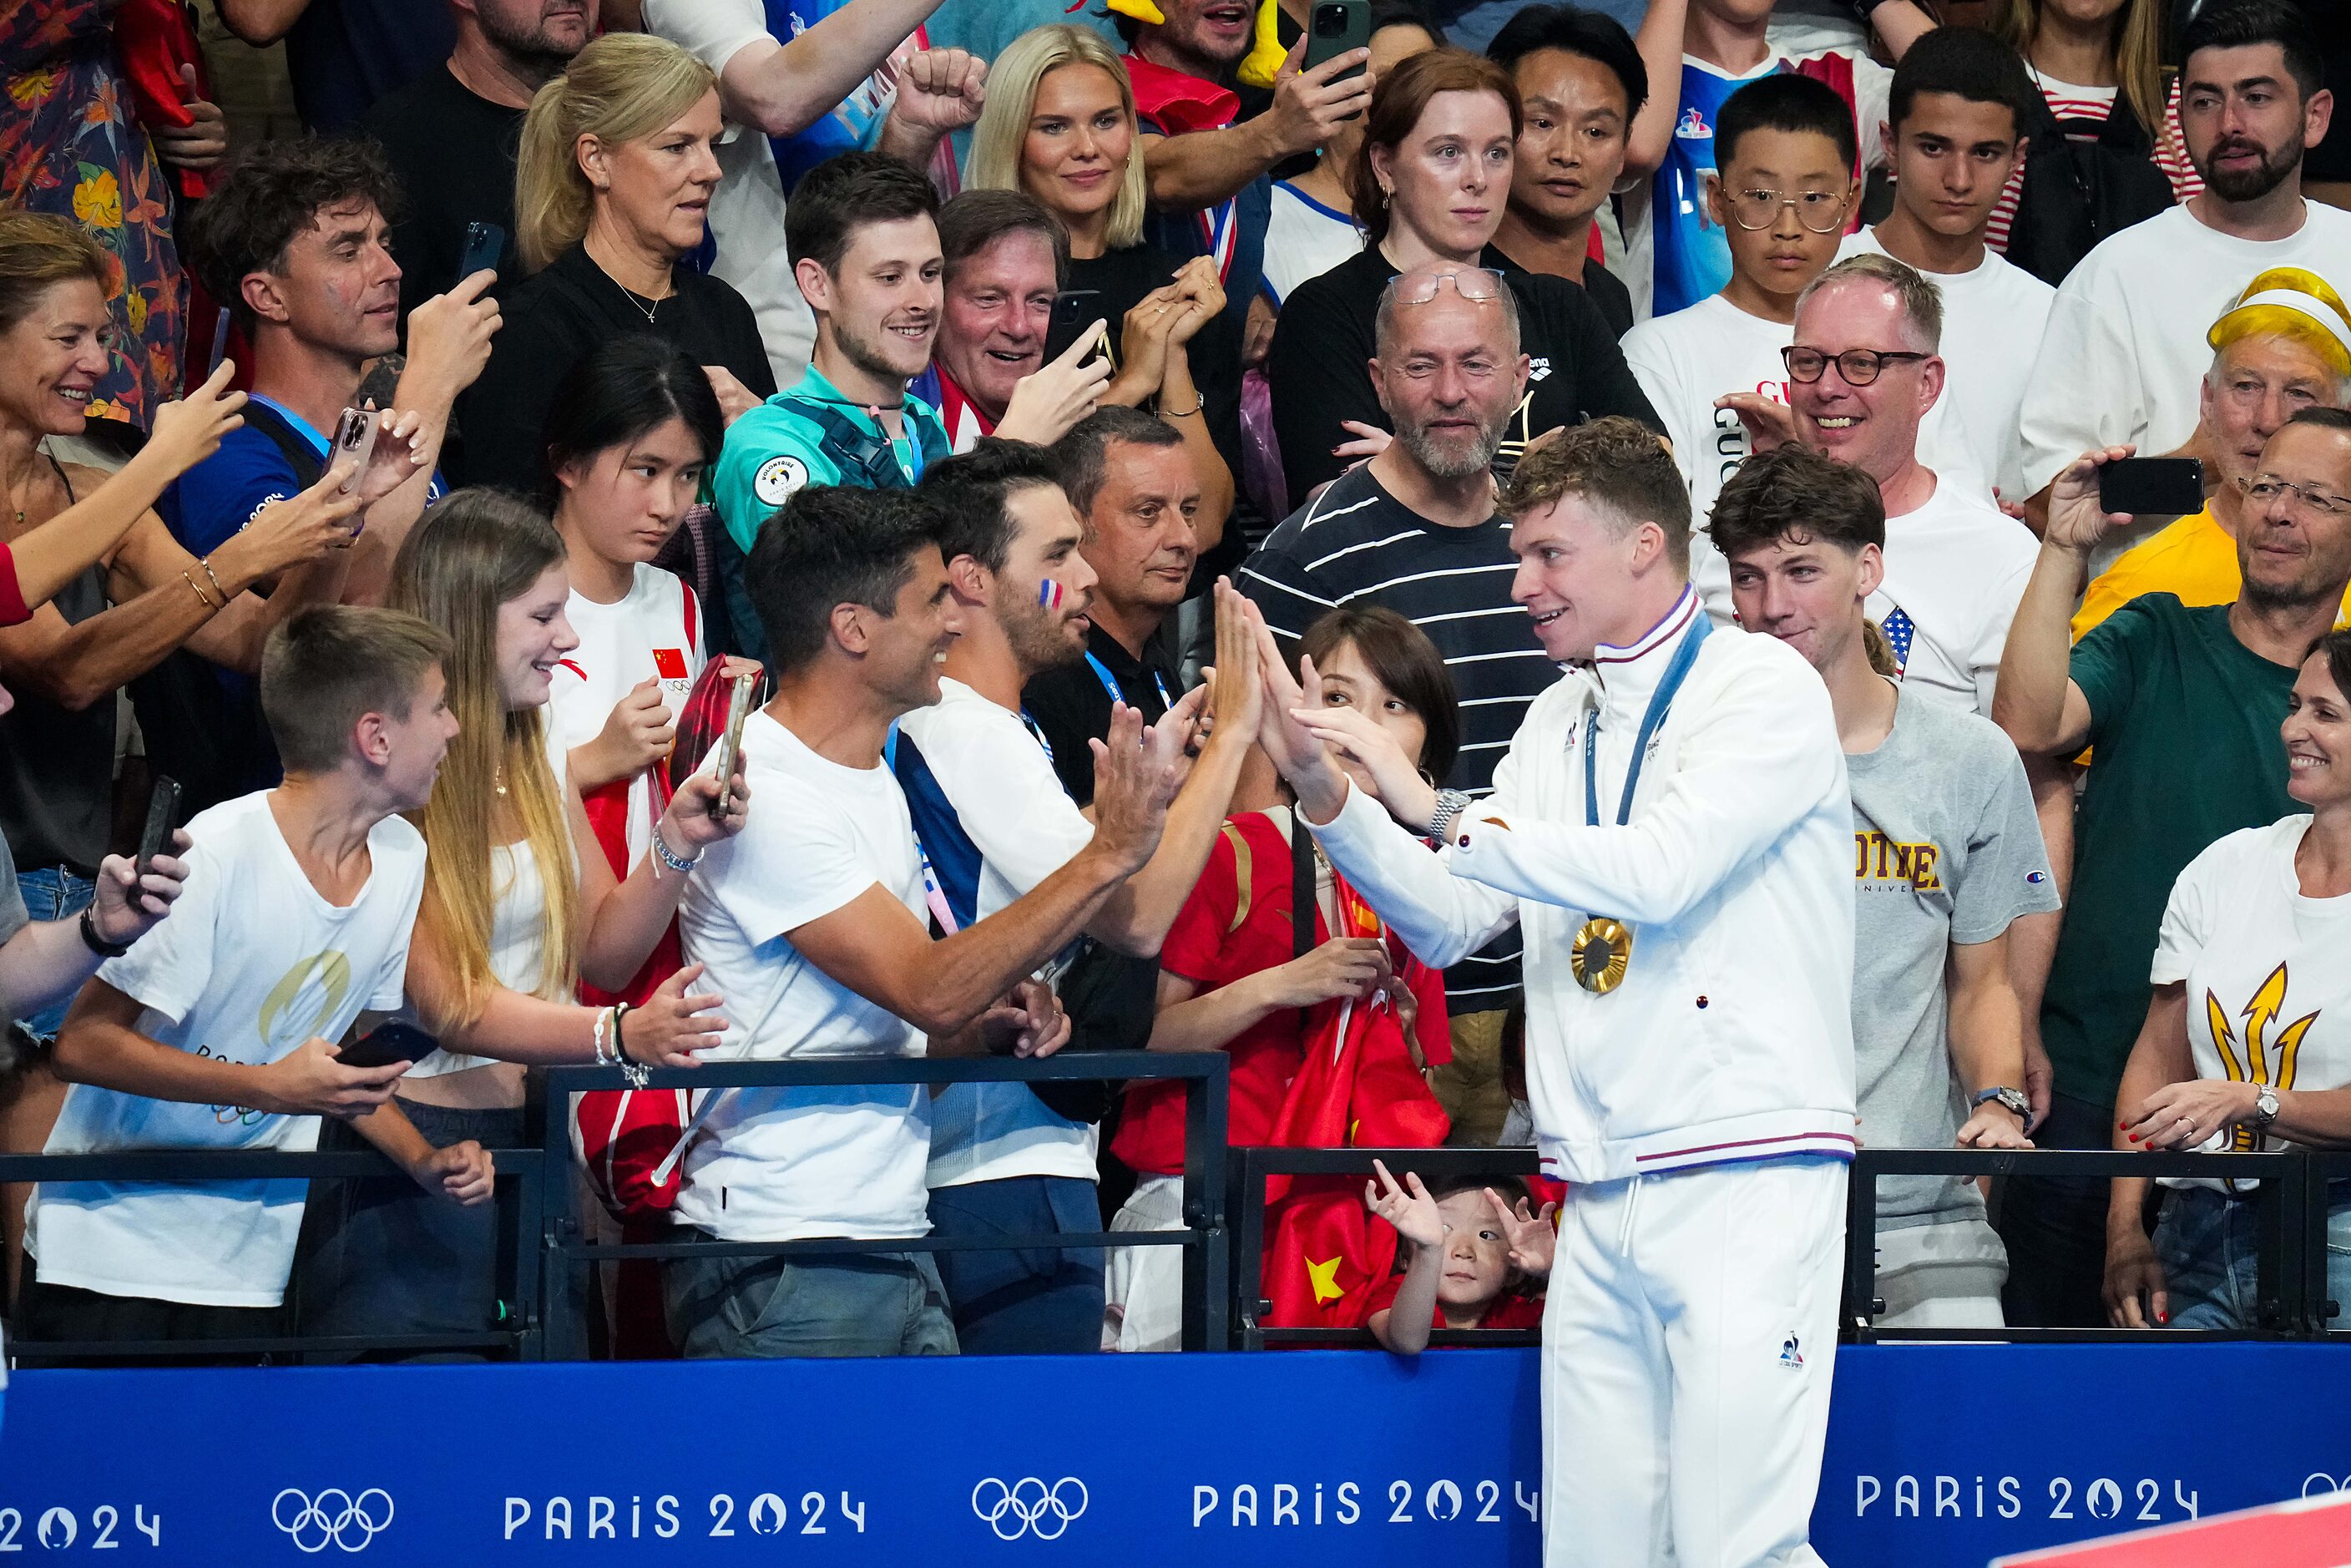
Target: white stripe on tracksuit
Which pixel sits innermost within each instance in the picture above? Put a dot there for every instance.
(1701, 1111)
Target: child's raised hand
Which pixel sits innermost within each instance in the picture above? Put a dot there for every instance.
(1532, 1235)
(1412, 1213)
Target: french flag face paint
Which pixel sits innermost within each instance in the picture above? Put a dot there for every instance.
(1051, 594)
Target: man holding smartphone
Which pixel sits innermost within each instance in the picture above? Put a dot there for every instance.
(2181, 707)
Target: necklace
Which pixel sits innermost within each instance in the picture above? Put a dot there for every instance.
(642, 307)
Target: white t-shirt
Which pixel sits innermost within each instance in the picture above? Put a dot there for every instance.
(2269, 996)
(1955, 570)
(250, 965)
(652, 633)
(1303, 239)
(1008, 800)
(781, 1165)
(1685, 361)
(1992, 317)
(2124, 353)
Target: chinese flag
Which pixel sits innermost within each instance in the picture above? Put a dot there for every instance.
(1357, 1087)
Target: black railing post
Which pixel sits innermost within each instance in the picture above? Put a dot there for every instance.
(1208, 1290)
(1860, 1252)
(564, 1337)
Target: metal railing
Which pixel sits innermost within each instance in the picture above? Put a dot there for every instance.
(1249, 1168)
(521, 1199)
(2289, 1205)
(1207, 1253)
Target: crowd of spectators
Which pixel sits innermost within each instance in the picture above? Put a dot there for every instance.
(1048, 421)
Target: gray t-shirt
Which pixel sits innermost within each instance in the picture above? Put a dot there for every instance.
(1946, 850)
(14, 915)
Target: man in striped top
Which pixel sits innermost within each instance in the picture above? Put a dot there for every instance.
(1414, 529)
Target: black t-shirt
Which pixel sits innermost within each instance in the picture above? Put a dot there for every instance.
(1357, 544)
(342, 55)
(1325, 341)
(1607, 290)
(455, 155)
(57, 763)
(551, 321)
(1071, 704)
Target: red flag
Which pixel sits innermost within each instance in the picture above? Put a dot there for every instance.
(1357, 1087)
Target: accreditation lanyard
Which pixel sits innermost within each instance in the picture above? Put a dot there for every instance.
(1685, 658)
(1110, 682)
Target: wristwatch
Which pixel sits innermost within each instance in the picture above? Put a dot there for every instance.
(2265, 1105)
(1450, 804)
(2012, 1098)
(101, 946)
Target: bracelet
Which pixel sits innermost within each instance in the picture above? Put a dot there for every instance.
(207, 564)
(631, 1067)
(197, 589)
(96, 943)
(603, 1020)
(670, 857)
(1184, 412)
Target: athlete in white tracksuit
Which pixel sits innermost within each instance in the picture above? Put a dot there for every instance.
(1702, 1110)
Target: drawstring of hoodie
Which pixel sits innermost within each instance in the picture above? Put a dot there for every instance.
(1624, 1227)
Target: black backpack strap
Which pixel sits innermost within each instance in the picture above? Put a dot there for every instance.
(261, 417)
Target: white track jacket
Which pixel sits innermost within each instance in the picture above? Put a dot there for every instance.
(1732, 1036)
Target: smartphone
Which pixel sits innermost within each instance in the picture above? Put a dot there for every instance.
(354, 434)
(387, 1044)
(730, 743)
(485, 243)
(1334, 26)
(162, 816)
(2152, 487)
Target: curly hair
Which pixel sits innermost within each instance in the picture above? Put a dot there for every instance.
(273, 195)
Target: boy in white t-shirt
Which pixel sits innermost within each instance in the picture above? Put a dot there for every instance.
(811, 922)
(219, 1028)
(1863, 372)
(1952, 133)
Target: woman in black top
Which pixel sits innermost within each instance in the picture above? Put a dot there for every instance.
(1060, 124)
(612, 187)
(1435, 171)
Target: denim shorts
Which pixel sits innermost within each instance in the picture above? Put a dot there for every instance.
(52, 893)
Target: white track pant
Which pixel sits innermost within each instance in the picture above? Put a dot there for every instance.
(1687, 1347)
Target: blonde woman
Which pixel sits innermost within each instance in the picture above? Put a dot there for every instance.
(2109, 148)
(612, 185)
(514, 917)
(1060, 124)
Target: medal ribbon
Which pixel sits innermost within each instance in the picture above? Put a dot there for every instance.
(1662, 699)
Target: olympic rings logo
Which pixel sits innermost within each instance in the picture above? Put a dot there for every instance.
(1028, 1507)
(350, 1523)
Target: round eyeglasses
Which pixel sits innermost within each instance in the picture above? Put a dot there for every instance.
(1859, 367)
(1823, 212)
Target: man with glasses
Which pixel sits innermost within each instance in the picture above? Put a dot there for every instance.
(1785, 146)
(1863, 372)
(2181, 706)
(1414, 529)
(2125, 342)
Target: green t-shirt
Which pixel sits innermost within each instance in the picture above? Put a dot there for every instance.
(795, 439)
(2184, 722)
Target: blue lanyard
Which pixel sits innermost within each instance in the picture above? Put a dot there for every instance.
(1684, 659)
(1037, 733)
(1109, 684)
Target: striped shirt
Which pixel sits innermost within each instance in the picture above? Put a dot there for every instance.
(1355, 542)
(2082, 111)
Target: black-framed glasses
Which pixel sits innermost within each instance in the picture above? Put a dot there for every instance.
(2264, 488)
(1823, 212)
(1859, 367)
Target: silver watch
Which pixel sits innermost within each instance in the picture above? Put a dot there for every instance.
(2012, 1098)
(1450, 804)
(2265, 1105)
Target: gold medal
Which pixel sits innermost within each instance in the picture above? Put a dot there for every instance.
(1599, 953)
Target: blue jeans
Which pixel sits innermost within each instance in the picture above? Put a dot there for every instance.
(53, 893)
(1041, 1303)
(870, 1303)
(2209, 1247)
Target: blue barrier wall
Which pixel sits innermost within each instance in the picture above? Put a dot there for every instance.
(1937, 1455)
